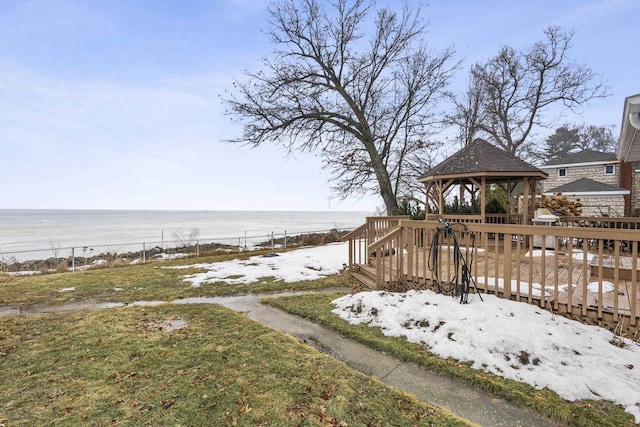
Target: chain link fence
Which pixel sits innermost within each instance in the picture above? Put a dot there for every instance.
(77, 258)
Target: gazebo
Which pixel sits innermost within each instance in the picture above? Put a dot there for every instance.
(477, 166)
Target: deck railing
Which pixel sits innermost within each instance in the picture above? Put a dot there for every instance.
(577, 271)
(375, 228)
(493, 218)
(624, 223)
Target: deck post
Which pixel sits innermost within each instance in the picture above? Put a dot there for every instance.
(616, 280)
(633, 313)
(506, 265)
(379, 271)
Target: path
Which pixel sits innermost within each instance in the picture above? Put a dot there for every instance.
(480, 407)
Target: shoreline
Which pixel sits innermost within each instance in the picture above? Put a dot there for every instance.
(108, 259)
(41, 234)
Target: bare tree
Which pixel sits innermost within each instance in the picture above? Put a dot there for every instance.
(515, 88)
(599, 138)
(55, 247)
(186, 238)
(569, 139)
(414, 167)
(468, 112)
(559, 144)
(365, 104)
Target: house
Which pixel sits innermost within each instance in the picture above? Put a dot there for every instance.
(594, 177)
(607, 184)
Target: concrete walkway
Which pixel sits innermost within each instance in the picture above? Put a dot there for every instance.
(456, 396)
(477, 406)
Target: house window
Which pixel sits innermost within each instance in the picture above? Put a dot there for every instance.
(562, 172)
(609, 169)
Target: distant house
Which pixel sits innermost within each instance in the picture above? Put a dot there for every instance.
(593, 177)
(607, 184)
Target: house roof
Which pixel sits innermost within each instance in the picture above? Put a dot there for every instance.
(629, 145)
(479, 158)
(586, 156)
(588, 186)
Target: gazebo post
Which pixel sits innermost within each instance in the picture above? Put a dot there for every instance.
(426, 201)
(525, 201)
(510, 187)
(483, 199)
(533, 184)
(440, 198)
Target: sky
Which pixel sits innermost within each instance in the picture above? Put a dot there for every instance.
(115, 104)
(576, 361)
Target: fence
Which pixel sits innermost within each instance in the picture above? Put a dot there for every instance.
(580, 271)
(81, 257)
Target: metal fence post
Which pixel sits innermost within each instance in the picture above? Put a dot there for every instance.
(198, 248)
(144, 253)
(285, 239)
(73, 259)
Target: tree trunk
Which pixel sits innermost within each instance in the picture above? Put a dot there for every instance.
(390, 201)
(384, 183)
(382, 175)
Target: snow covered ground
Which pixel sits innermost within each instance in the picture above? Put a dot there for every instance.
(302, 264)
(510, 339)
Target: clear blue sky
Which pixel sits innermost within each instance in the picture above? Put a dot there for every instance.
(115, 104)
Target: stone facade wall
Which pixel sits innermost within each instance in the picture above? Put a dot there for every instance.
(612, 206)
(635, 194)
(574, 173)
(599, 205)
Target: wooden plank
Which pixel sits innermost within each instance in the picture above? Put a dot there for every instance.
(543, 271)
(518, 266)
(379, 269)
(410, 244)
(556, 245)
(608, 266)
(616, 277)
(530, 295)
(570, 278)
(633, 307)
(496, 264)
(600, 252)
(584, 280)
(506, 265)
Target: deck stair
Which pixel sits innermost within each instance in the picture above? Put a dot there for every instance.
(366, 275)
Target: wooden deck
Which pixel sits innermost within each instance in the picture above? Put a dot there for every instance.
(586, 273)
(560, 280)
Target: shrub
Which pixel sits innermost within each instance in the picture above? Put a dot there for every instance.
(560, 205)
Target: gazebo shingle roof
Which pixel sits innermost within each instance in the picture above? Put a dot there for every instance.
(481, 158)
